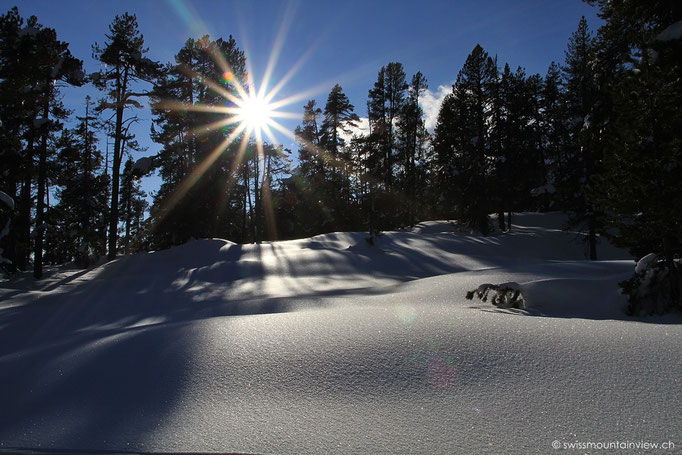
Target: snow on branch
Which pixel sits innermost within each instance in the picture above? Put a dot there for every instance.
(672, 32)
(7, 200)
(544, 189)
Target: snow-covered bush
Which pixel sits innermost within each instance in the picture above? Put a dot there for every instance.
(505, 295)
(655, 287)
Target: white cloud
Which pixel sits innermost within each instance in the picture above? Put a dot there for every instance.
(430, 102)
(362, 129)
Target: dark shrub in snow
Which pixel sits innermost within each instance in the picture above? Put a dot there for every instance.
(655, 287)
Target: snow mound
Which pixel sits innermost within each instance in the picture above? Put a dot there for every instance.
(333, 345)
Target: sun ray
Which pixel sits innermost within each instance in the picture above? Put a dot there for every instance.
(241, 151)
(300, 96)
(217, 88)
(252, 108)
(269, 214)
(268, 134)
(232, 179)
(276, 49)
(276, 125)
(284, 114)
(205, 129)
(259, 142)
(294, 69)
(282, 82)
(188, 14)
(250, 91)
(268, 211)
(321, 152)
(219, 58)
(181, 106)
(201, 169)
(348, 76)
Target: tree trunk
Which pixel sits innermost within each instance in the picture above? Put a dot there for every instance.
(115, 169)
(668, 242)
(88, 171)
(42, 176)
(592, 237)
(247, 180)
(128, 216)
(257, 200)
(269, 213)
(244, 201)
(11, 254)
(23, 225)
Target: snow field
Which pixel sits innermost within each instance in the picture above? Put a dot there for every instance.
(329, 345)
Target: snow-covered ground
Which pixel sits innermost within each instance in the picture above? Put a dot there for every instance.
(330, 345)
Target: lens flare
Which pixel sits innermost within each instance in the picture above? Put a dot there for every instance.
(248, 112)
(255, 112)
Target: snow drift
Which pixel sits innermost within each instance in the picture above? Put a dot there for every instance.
(333, 345)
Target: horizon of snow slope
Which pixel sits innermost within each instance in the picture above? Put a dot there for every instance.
(333, 345)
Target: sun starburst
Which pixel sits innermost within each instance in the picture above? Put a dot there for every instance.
(247, 115)
(254, 112)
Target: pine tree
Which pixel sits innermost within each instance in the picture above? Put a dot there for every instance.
(133, 205)
(640, 57)
(126, 66)
(471, 139)
(523, 158)
(497, 89)
(554, 135)
(308, 135)
(80, 215)
(339, 118)
(309, 178)
(200, 195)
(384, 108)
(18, 105)
(583, 153)
(385, 105)
(413, 139)
(34, 62)
(447, 163)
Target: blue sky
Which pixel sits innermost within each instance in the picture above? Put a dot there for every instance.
(343, 42)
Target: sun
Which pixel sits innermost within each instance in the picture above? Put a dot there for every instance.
(248, 113)
(254, 112)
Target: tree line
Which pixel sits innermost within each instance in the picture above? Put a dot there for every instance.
(597, 137)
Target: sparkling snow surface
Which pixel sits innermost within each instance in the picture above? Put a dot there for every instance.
(330, 345)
